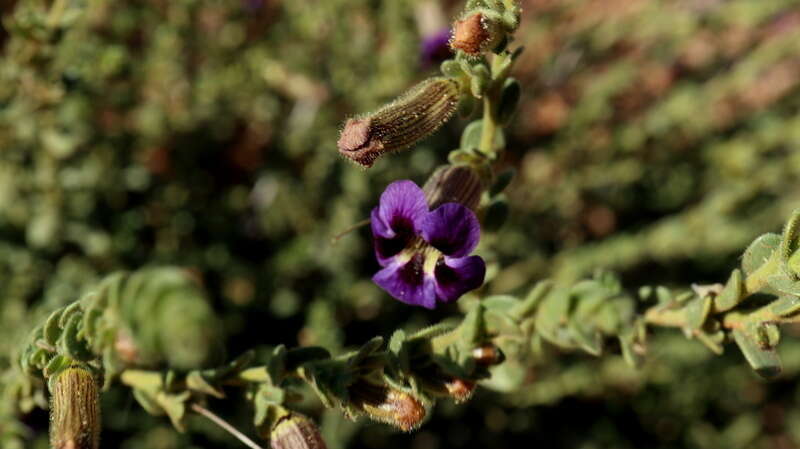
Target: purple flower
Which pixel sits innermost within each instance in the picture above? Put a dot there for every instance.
(424, 254)
(435, 48)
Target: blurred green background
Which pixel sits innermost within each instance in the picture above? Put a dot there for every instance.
(655, 138)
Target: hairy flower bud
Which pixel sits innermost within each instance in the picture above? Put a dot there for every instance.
(460, 389)
(474, 34)
(388, 405)
(74, 410)
(295, 431)
(453, 184)
(440, 384)
(398, 125)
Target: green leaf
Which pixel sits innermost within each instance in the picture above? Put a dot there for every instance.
(782, 283)
(591, 342)
(452, 69)
(501, 182)
(471, 137)
(509, 99)
(759, 252)
(366, 350)
(175, 407)
(785, 305)
(195, 381)
(500, 322)
(480, 80)
(731, 295)
(52, 328)
(502, 303)
(765, 362)
(629, 350)
(697, 312)
(473, 328)
(297, 356)
(496, 215)
(531, 302)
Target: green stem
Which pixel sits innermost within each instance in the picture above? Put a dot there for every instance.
(489, 125)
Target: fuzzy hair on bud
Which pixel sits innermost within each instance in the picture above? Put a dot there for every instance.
(413, 116)
(74, 410)
(453, 184)
(474, 34)
(388, 405)
(295, 431)
(460, 389)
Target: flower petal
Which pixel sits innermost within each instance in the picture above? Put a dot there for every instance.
(396, 220)
(402, 202)
(456, 276)
(452, 228)
(407, 283)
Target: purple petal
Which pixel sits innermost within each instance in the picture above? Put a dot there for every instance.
(407, 283)
(435, 48)
(456, 276)
(453, 229)
(396, 220)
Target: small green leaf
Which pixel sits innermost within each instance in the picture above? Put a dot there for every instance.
(396, 341)
(591, 342)
(731, 295)
(496, 215)
(759, 252)
(297, 356)
(55, 365)
(509, 99)
(452, 69)
(785, 305)
(148, 402)
(697, 312)
(502, 303)
(765, 362)
(366, 350)
(175, 407)
(629, 352)
(70, 344)
(52, 328)
(195, 381)
(500, 322)
(480, 80)
(531, 302)
(782, 283)
(473, 328)
(471, 137)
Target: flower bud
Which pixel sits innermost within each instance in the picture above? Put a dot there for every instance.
(398, 125)
(460, 389)
(453, 184)
(439, 384)
(388, 405)
(74, 410)
(295, 431)
(488, 354)
(474, 34)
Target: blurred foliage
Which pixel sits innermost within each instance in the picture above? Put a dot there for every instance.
(655, 138)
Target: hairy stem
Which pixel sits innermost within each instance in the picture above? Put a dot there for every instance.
(224, 424)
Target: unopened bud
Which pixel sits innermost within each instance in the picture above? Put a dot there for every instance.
(386, 404)
(74, 410)
(488, 354)
(295, 431)
(439, 384)
(413, 116)
(460, 389)
(453, 184)
(474, 34)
